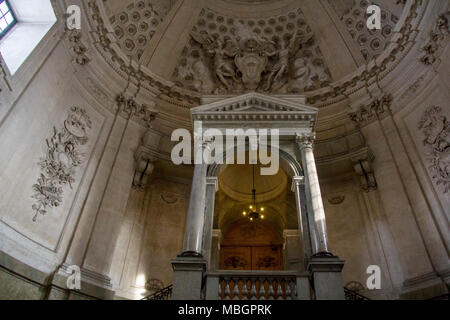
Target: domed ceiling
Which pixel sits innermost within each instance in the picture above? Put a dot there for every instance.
(235, 46)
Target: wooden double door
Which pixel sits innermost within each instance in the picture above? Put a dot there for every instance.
(251, 246)
(251, 257)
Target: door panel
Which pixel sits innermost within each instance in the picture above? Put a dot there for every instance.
(266, 258)
(251, 258)
(236, 258)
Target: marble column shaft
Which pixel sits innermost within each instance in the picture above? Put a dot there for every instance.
(313, 194)
(211, 189)
(302, 217)
(196, 213)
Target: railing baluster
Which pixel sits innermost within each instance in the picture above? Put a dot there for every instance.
(253, 292)
(258, 286)
(227, 289)
(271, 292)
(279, 289)
(262, 288)
(221, 289)
(294, 288)
(244, 289)
(235, 288)
(287, 286)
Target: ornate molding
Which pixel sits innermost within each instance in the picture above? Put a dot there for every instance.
(377, 109)
(59, 165)
(435, 128)
(78, 49)
(255, 110)
(130, 108)
(436, 42)
(305, 140)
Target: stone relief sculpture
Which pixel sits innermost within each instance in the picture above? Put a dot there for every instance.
(241, 56)
(60, 162)
(436, 130)
(436, 42)
(276, 77)
(220, 52)
(202, 80)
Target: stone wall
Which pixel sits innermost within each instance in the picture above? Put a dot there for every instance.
(151, 235)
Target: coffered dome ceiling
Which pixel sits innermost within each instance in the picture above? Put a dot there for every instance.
(235, 46)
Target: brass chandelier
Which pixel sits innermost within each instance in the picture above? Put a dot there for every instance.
(254, 213)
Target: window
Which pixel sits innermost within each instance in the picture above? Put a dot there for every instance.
(7, 18)
(32, 19)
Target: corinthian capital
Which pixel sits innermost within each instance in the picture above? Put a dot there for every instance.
(305, 140)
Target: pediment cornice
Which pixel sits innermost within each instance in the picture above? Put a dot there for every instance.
(256, 107)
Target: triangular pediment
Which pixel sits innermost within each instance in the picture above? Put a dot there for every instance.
(256, 109)
(255, 103)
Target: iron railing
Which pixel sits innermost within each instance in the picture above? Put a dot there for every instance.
(285, 290)
(353, 295)
(163, 294)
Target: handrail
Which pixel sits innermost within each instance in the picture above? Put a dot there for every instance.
(163, 294)
(256, 273)
(166, 293)
(353, 295)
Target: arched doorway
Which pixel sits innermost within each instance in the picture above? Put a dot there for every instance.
(252, 245)
(256, 244)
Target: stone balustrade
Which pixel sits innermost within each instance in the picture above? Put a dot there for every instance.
(257, 285)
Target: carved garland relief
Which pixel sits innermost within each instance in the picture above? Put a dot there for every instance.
(435, 128)
(58, 166)
(436, 42)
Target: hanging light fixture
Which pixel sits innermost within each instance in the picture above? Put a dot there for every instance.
(254, 213)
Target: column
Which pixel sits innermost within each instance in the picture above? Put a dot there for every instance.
(302, 216)
(196, 213)
(189, 266)
(313, 195)
(211, 189)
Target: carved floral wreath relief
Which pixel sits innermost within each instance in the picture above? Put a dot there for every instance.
(436, 130)
(59, 164)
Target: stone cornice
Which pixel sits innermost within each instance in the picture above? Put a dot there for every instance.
(130, 108)
(377, 109)
(255, 107)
